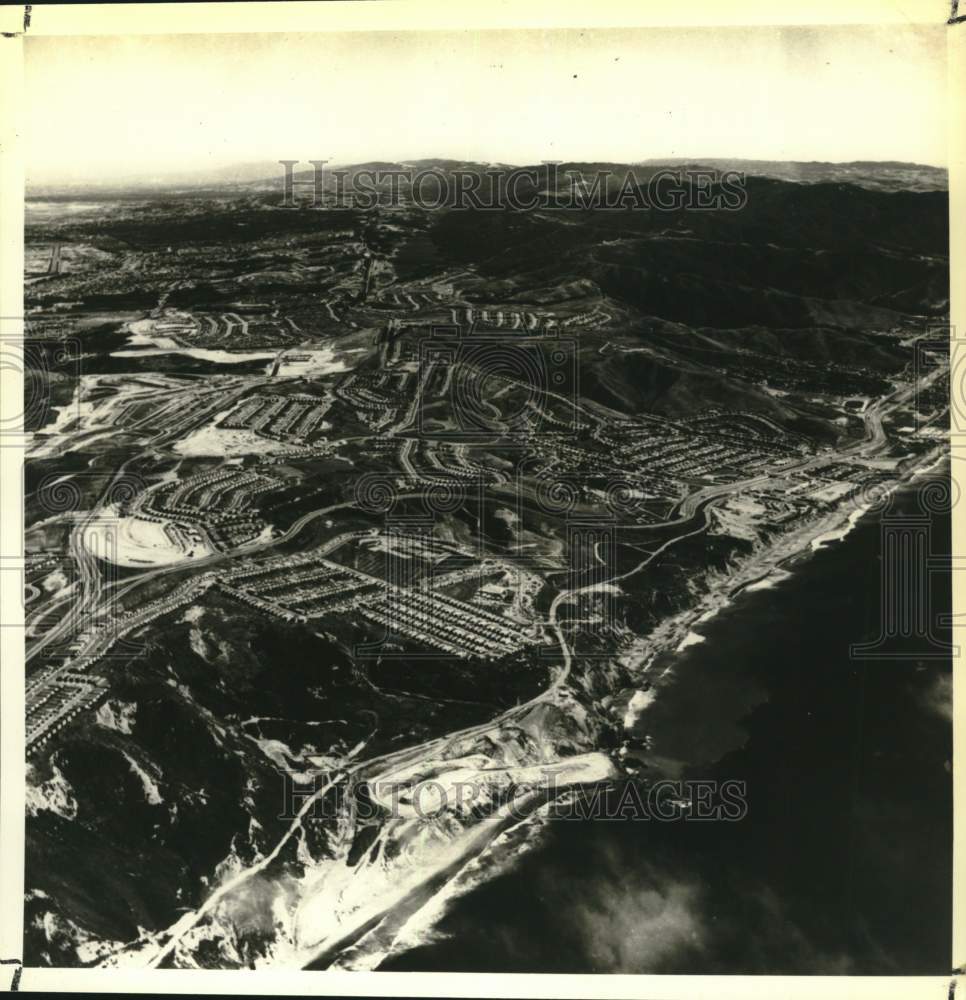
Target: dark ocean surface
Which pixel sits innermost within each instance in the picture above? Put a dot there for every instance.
(843, 861)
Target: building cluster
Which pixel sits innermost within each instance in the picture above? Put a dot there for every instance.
(744, 426)
(830, 483)
(52, 705)
(376, 397)
(413, 299)
(212, 505)
(790, 374)
(716, 447)
(452, 459)
(301, 588)
(310, 586)
(43, 562)
(180, 411)
(428, 618)
(294, 418)
(510, 319)
(57, 694)
(251, 326)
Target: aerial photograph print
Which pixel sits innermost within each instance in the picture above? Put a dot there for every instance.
(487, 500)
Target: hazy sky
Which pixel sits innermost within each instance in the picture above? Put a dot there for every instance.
(118, 107)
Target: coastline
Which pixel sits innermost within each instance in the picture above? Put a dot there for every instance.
(779, 715)
(765, 568)
(770, 566)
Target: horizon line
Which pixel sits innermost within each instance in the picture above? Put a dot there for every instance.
(197, 177)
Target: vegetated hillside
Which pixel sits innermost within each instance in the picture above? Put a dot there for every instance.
(829, 241)
(816, 285)
(642, 382)
(884, 175)
(268, 175)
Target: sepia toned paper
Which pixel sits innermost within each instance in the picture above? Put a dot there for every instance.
(481, 500)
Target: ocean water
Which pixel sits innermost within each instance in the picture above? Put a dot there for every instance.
(842, 863)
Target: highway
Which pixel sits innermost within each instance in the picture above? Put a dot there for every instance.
(94, 600)
(696, 503)
(381, 767)
(89, 598)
